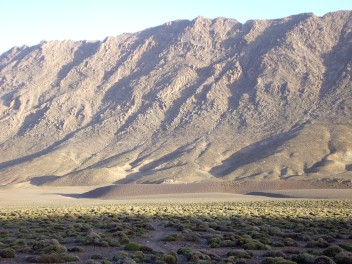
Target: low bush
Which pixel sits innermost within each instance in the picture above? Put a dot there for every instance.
(54, 249)
(320, 243)
(278, 260)
(132, 246)
(76, 249)
(323, 260)
(7, 253)
(304, 258)
(96, 256)
(239, 254)
(274, 254)
(170, 259)
(343, 258)
(45, 259)
(53, 258)
(255, 245)
(346, 246)
(332, 251)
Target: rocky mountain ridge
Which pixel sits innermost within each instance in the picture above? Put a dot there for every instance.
(187, 101)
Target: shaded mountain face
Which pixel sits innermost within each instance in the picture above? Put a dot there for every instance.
(187, 101)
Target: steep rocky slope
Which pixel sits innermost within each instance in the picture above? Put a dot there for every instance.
(188, 101)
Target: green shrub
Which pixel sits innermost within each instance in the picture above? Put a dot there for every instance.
(54, 249)
(139, 257)
(320, 243)
(96, 256)
(120, 256)
(102, 244)
(324, 260)
(126, 260)
(214, 242)
(274, 254)
(132, 246)
(124, 240)
(194, 256)
(69, 258)
(240, 261)
(147, 250)
(173, 237)
(304, 258)
(190, 236)
(184, 251)
(45, 243)
(346, 246)
(343, 258)
(228, 243)
(275, 231)
(45, 259)
(198, 256)
(21, 242)
(254, 245)
(239, 254)
(7, 253)
(4, 234)
(170, 259)
(278, 260)
(76, 249)
(290, 242)
(332, 251)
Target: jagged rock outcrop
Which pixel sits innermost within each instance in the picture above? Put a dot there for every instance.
(187, 101)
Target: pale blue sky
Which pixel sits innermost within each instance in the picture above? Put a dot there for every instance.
(30, 21)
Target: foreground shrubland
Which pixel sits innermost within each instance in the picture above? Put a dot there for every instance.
(299, 231)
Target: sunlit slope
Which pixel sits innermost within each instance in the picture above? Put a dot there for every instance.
(188, 101)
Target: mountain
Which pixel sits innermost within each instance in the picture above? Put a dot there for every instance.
(187, 101)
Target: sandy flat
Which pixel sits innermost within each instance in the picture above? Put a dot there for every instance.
(303, 189)
(34, 195)
(308, 193)
(26, 194)
(66, 196)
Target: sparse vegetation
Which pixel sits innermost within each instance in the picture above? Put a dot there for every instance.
(299, 231)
